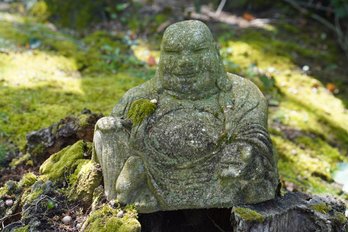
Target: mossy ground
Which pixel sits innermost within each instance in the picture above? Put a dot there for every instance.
(105, 219)
(46, 74)
(39, 86)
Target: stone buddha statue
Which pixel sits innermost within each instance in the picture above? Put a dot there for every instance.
(192, 137)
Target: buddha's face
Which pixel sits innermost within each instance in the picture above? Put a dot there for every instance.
(189, 60)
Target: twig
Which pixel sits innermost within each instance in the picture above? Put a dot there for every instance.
(220, 7)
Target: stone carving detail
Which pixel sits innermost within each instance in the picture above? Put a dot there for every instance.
(194, 136)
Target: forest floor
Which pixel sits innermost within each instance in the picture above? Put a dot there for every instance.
(47, 73)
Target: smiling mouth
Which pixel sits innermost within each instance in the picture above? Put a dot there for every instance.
(187, 75)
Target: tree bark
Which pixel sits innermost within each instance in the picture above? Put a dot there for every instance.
(294, 212)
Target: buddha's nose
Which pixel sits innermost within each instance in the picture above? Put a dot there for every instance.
(186, 62)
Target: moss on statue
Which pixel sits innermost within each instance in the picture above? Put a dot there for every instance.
(106, 219)
(140, 109)
(248, 214)
(65, 162)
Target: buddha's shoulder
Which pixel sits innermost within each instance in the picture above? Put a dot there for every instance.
(147, 89)
(242, 86)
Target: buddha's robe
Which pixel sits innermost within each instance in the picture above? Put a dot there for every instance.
(212, 152)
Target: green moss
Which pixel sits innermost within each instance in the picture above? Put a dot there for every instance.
(3, 191)
(22, 229)
(77, 14)
(106, 220)
(303, 167)
(38, 98)
(27, 180)
(65, 162)
(107, 53)
(139, 110)
(248, 214)
(86, 178)
(22, 33)
(323, 149)
(31, 194)
(20, 160)
(74, 176)
(83, 120)
(3, 153)
(40, 11)
(321, 207)
(340, 217)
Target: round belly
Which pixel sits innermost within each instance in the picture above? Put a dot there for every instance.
(184, 135)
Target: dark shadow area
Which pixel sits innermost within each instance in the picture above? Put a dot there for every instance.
(192, 220)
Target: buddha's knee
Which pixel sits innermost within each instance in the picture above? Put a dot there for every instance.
(131, 180)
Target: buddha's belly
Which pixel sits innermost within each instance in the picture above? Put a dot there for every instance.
(184, 136)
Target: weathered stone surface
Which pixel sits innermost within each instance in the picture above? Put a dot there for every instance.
(191, 137)
(295, 212)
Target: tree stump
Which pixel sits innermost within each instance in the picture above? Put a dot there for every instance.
(294, 212)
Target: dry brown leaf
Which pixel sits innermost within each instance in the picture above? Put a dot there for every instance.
(248, 17)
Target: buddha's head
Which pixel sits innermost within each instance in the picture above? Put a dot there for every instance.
(190, 65)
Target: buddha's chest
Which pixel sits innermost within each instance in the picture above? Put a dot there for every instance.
(182, 131)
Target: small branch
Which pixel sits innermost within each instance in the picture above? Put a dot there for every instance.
(220, 7)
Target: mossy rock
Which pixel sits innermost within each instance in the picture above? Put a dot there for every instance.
(35, 191)
(248, 214)
(321, 207)
(9, 188)
(65, 162)
(22, 229)
(107, 219)
(86, 178)
(27, 180)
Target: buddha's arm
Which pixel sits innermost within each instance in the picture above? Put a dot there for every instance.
(118, 119)
(246, 128)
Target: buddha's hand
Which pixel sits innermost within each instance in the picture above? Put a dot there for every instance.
(111, 123)
(234, 160)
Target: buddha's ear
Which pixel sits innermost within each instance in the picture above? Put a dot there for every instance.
(217, 49)
(222, 81)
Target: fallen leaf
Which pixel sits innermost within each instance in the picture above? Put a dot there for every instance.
(151, 61)
(331, 87)
(248, 17)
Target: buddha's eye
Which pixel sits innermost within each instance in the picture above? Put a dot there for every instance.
(171, 50)
(199, 49)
